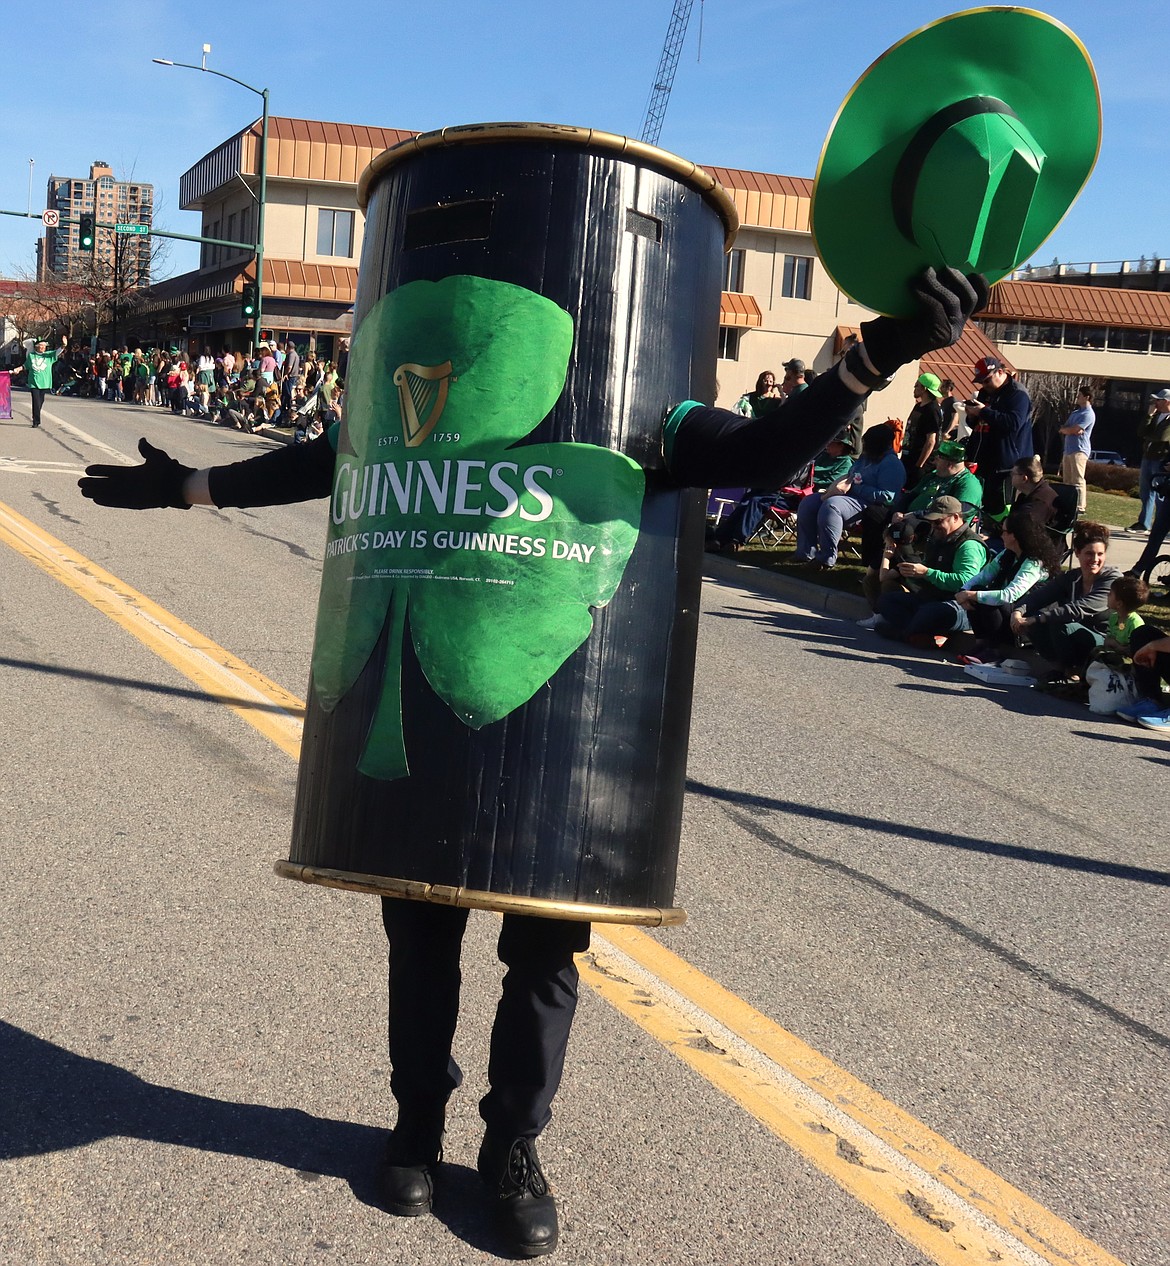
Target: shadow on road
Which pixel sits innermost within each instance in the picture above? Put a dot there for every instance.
(54, 1100)
(151, 687)
(945, 839)
(744, 810)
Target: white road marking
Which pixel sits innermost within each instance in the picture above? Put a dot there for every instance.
(20, 466)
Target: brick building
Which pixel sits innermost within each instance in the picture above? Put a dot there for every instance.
(111, 202)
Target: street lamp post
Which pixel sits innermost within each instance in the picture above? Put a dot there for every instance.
(262, 93)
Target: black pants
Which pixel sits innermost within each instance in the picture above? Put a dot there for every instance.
(991, 625)
(996, 495)
(531, 1030)
(1149, 680)
(38, 398)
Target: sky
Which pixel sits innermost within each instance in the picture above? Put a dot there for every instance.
(758, 84)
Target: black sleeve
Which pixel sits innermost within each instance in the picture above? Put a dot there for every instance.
(714, 448)
(297, 472)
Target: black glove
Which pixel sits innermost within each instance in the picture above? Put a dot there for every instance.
(945, 300)
(155, 485)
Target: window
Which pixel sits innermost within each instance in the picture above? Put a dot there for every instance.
(729, 342)
(1086, 336)
(1160, 341)
(231, 235)
(733, 273)
(1129, 340)
(335, 233)
(213, 253)
(246, 224)
(797, 277)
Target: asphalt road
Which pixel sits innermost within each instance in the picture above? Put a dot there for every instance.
(956, 893)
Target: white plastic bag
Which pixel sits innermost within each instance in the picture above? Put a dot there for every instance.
(1109, 688)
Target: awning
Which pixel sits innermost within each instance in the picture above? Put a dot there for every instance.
(741, 310)
(841, 334)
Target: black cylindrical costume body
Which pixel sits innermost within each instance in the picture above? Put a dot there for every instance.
(570, 804)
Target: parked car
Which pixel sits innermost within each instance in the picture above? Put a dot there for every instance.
(1107, 457)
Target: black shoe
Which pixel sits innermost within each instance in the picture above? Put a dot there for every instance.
(1137, 527)
(37, 423)
(525, 1209)
(413, 1152)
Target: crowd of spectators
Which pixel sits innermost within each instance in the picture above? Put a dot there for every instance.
(275, 386)
(962, 536)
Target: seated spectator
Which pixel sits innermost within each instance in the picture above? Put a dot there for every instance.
(1034, 495)
(890, 535)
(1126, 596)
(742, 523)
(1027, 557)
(951, 556)
(1066, 618)
(1151, 667)
(875, 477)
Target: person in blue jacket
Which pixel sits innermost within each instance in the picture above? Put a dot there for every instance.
(1001, 432)
(875, 478)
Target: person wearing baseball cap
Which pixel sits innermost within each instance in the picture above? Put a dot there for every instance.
(889, 539)
(38, 372)
(953, 553)
(1001, 431)
(1154, 434)
(794, 382)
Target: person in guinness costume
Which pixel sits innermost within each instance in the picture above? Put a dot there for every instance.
(697, 446)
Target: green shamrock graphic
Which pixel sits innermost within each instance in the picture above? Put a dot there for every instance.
(490, 552)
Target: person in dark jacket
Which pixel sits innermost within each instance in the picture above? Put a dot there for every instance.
(1066, 618)
(1001, 431)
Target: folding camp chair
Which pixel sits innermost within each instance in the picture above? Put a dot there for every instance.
(779, 524)
(720, 501)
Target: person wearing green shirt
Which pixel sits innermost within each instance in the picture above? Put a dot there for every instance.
(38, 372)
(952, 555)
(889, 535)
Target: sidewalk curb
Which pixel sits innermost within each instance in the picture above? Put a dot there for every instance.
(802, 593)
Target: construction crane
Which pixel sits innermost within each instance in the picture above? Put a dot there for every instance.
(659, 97)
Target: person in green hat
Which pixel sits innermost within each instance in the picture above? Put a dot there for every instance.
(38, 372)
(923, 427)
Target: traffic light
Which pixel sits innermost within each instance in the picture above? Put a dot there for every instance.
(248, 300)
(85, 233)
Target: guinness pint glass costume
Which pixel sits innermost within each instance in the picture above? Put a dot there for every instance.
(502, 669)
(505, 644)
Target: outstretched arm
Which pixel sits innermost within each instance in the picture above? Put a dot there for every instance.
(298, 472)
(707, 447)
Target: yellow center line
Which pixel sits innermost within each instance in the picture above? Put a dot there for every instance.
(266, 706)
(949, 1206)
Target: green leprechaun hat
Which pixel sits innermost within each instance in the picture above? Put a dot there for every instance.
(962, 146)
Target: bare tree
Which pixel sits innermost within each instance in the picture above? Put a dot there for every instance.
(1054, 397)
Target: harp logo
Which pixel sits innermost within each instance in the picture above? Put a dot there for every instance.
(422, 396)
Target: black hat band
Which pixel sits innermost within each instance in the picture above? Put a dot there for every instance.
(914, 156)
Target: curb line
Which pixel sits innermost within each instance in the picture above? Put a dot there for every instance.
(802, 593)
